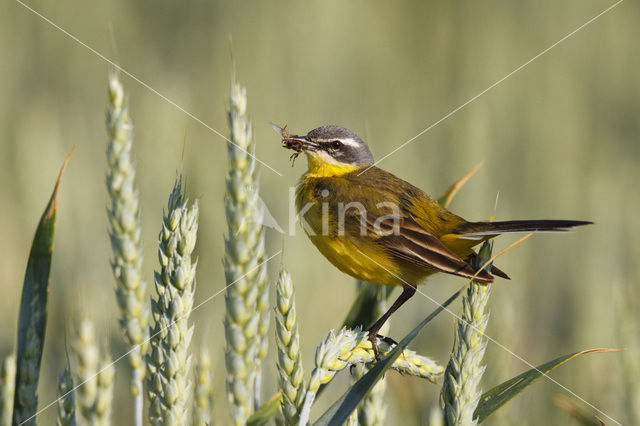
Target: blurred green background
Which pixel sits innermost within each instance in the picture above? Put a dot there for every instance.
(560, 139)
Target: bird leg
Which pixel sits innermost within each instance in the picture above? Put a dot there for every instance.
(406, 294)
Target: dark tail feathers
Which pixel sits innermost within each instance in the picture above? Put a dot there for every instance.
(480, 230)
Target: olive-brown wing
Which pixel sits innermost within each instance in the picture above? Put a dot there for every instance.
(414, 244)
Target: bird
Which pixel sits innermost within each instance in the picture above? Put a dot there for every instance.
(376, 227)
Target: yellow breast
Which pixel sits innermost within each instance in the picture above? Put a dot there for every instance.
(359, 257)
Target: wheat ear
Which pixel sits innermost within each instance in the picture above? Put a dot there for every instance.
(461, 390)
(289, 361)
(247, 314)
(352, 347)
(125, 231)
(203, 392)
(104, 392)
(169, 360)
(95, 373)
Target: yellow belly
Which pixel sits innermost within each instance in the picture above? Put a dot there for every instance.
(366, 262)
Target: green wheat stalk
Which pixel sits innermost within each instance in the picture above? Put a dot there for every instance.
(203, 391)
(461, 390)
(29, 377)
(66, 400)
(169, 360)
(125, 231)
(7, 388)
(247, 317)
(352, 347)
(289, 360)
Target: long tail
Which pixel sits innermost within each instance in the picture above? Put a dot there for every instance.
(482, 230)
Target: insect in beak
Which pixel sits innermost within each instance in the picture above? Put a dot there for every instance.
(289, 141)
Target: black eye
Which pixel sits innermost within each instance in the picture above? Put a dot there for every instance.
(336, 144)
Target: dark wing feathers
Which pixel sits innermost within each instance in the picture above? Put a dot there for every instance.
(415, 245)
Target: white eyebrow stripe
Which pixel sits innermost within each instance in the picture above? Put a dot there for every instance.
(350, 141)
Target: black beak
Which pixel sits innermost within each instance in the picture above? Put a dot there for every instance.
(306, 144)
(295, 142)
(299, 143)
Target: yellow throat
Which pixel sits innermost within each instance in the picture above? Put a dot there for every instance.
(323, 165)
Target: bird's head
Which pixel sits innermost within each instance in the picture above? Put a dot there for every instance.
(331, 150)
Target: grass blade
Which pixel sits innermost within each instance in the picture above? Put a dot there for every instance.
(32, 320)
(266, 412)
(495, 398)
(338, 413)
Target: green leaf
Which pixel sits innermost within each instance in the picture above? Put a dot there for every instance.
(338, 413)
(266, 412)
(33, 304)
(501, 394)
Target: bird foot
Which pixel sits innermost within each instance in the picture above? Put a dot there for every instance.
(373, 338)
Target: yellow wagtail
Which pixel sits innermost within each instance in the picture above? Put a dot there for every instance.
(378, 228)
